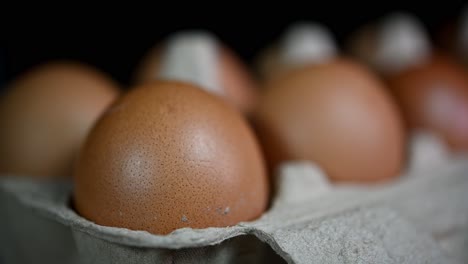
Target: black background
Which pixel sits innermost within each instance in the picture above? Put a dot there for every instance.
(115, 42)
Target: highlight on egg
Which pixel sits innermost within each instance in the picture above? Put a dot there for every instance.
(45, 115)
(170, 155)
(199, 57)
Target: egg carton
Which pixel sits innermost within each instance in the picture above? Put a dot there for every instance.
(422, 217)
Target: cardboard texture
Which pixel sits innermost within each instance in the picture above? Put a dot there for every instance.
(421, 217)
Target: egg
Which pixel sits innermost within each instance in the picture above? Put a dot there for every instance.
(198, 57)
(430, 87)
(302, 43)
(434, 97)
(336, 114)
(45, 115)
(395, 42)
(170, 155)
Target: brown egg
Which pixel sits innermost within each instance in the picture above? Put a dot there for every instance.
(199, 58)
(434, 96)
(335, 114)
(170, 155)
(46, 114)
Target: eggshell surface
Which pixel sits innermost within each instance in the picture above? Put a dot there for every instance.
(46, 114)
(434, 97)
(335, 114)
(170, 155)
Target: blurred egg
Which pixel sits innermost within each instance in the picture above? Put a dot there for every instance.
(199, 58)
(336, 114)
(396, 42)
(434, 96)
(301, 43)
(46, 114)
(430, 87)
(169, 155)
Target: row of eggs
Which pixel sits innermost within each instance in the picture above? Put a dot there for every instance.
(193, 142)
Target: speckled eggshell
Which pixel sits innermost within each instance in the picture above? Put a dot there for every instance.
(46, 114)
(434, 96)
(239, 88)
(336, 114)
(170, 155)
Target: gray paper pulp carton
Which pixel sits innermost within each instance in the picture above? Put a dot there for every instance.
(422, 217)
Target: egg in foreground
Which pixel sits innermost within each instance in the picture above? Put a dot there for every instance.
(170, 155)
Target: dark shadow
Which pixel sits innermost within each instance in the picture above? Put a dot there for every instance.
(242, 249)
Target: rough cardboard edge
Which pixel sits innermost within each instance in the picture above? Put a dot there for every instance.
(189, 238)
